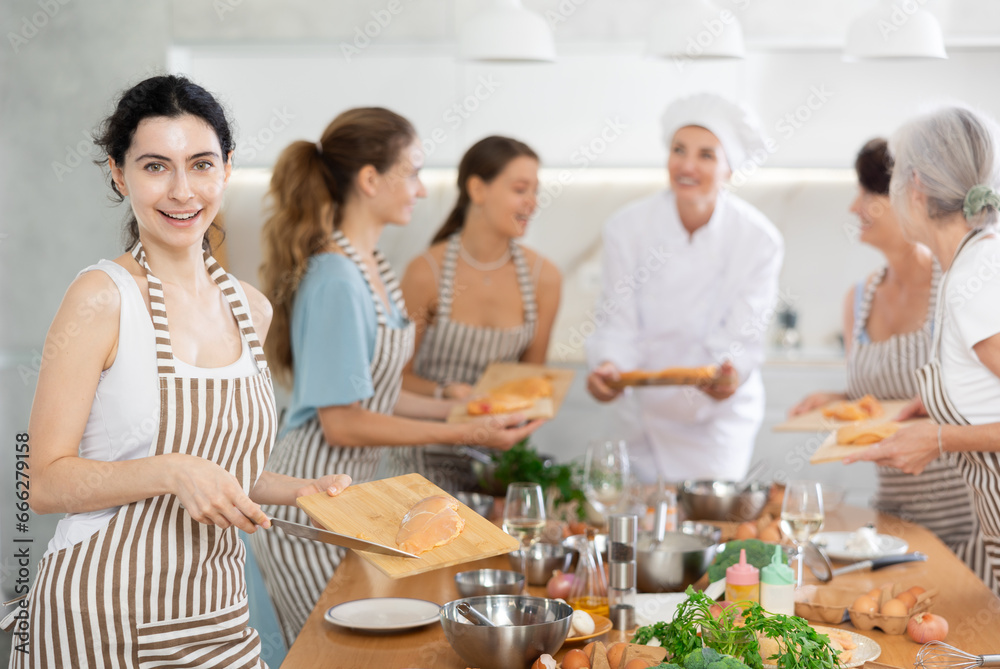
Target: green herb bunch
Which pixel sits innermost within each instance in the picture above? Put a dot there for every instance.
(522, 463)
(734, 631)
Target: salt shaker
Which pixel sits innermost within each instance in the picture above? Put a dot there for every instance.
(622, 534)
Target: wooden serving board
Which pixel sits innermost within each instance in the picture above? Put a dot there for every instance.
(374, 511)
(502, 372)
(814, 421)
(831, 451)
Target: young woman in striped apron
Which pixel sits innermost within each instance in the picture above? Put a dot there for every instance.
(477, 295)
(341, 331)
(888, 344)
(944, 187)
(160, 348)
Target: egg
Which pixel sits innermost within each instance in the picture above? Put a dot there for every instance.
(544, 662)
(865, 604)
(746, 530)
(907, 598)
(875, 594)
(615, 652)
(894, 607)
(576, 659)
(916, 591)
(638, 663)
(772, 533)
(581, 624)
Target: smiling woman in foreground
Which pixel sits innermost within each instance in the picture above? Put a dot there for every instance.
(944, 188)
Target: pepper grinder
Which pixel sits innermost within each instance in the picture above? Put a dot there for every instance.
(622, 534)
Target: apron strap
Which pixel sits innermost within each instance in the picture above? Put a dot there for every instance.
(388, 277)
(158, 308)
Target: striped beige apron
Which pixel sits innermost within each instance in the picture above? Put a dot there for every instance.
(155, 588)
(937, 498)
(981, 470)
(297, 570)
(453, 352)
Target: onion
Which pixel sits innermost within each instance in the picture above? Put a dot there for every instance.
(925, 627)
(559, 585)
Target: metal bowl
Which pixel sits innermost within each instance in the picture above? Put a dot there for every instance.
(721, 500)
(679, 560)
(572, 544)
(478, 502)
(489, 582)
(542, 560)
(527, 628)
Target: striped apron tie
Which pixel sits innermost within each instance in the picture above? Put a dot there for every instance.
(979, 469)
(297, 570)
(155, 588)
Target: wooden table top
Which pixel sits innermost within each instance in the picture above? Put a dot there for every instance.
(972, 611)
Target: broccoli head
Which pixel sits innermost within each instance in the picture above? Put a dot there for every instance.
(701, 658)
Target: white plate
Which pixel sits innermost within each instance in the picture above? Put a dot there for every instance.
(384, 614)
(866, 651)
(834, 544)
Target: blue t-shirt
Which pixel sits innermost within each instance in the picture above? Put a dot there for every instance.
(333, 337)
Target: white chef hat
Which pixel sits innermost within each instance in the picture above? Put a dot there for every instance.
(737, 128)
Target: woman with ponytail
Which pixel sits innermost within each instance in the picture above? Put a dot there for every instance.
(477, 295)
(340, 332)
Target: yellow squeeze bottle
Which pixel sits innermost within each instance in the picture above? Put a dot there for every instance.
(743, 581)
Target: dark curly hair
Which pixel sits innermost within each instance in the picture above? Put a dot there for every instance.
(163, 96)
(874, 166)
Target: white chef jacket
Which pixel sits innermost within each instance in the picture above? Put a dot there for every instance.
(671, 299)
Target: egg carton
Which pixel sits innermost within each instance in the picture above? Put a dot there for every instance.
(891, 624)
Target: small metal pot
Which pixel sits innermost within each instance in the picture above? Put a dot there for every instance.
(679, 560)
(723, 500)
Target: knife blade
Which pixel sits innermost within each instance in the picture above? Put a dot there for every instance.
(328, 537)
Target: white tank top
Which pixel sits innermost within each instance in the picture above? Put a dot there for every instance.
(125, 415)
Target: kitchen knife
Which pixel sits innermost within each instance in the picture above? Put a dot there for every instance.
(328, 537)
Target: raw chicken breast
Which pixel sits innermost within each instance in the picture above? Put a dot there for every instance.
(432, 522)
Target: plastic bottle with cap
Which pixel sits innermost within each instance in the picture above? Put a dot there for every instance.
(777, 586)
(743, 581)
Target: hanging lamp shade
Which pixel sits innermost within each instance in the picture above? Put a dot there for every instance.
(894, 30)
(695, 29)
(507, 32)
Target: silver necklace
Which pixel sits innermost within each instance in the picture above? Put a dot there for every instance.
(483, 266)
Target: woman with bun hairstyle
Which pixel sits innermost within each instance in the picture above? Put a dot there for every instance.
(153, 419)
(944, 188)
(341, 333)
(477, 295)
(888, 320)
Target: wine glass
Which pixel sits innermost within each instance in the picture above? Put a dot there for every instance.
(524, 518)
(802, 515)
(606, 475)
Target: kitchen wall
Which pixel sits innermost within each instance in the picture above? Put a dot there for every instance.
(61, 62)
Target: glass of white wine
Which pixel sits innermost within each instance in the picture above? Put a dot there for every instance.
(802, 515)
(606, 475)
(524, 518)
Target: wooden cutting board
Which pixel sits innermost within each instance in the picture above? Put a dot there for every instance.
(374, 511)
(814, 421)
(502, 372)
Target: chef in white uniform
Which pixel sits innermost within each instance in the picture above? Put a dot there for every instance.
(690, 279)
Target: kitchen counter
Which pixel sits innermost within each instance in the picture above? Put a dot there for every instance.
(972, 611)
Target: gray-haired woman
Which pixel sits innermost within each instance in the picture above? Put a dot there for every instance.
(945, 188)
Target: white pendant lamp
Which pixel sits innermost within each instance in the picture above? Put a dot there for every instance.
(506, 32)
(695, 29)
(894, 30)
